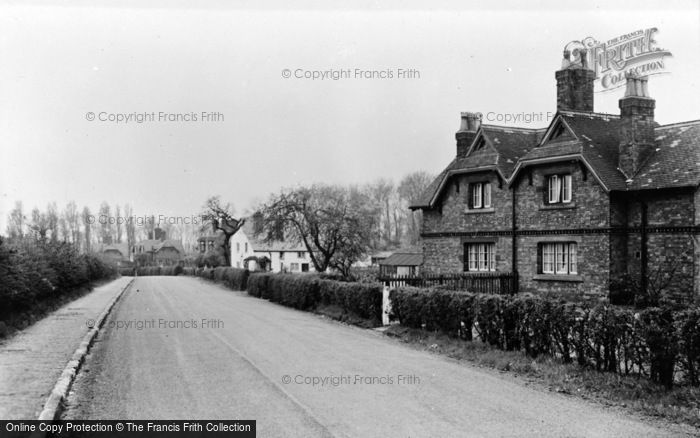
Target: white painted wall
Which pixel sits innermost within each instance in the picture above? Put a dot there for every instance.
(292, 261)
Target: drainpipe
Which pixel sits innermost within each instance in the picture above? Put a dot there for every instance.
(643, 268)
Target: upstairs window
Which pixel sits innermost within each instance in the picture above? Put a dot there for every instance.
(480, 195)
(559, 189)
(480, 257)
(559, 258)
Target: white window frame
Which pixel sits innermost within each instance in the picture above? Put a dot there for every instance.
(566, 189)
(481, 195)
(476, 195)
(560, 188)
(559, 258)
(481, 257)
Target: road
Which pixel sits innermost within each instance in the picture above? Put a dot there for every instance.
(238, 364)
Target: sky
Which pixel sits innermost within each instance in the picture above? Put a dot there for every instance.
(61, 62)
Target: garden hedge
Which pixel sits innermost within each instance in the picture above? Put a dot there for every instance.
(35, 272)
(659, 343)
(309, 292)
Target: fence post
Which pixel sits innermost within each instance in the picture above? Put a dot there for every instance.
(386, 305)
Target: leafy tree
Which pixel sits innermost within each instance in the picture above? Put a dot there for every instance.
(332, 222)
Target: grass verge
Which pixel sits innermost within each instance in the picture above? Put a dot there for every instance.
(41, 309)
(679, 405)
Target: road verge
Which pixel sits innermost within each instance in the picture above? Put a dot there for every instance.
(54, 402)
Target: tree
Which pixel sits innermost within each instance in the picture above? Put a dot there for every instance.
(220, 217)
(88, 219)
(331, 221)
(39, 224)
(411, 188)
(52, 221)
(118, 214)
(130, 226)
(72, 218)
(104, 219)
(16, 222)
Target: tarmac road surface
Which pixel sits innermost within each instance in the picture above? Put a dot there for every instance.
(182, 348)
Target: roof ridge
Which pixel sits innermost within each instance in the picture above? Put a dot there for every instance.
(671, 125)
(512, 128)
(589, 114)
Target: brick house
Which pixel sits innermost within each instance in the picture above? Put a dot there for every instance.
(591, 201)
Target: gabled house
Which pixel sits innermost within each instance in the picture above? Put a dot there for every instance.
(117, 253)
(590, 202)
(251, 251)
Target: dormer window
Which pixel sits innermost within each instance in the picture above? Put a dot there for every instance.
(480, 144)
(559, 188)
(480, 195)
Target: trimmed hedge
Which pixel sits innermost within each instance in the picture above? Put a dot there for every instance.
(656, 342)
(143, 271)
(34, 273)
(309, 292)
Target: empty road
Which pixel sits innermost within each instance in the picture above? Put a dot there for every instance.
(182, 348)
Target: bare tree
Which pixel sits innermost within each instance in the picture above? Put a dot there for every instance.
(118, 225)
(220, 217)
(72, 218)
(16, 222)
(411, 188)
(130, 226)
(104, 221)
(88, 220)
(52, 220)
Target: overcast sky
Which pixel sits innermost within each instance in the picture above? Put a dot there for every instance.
(59, 63)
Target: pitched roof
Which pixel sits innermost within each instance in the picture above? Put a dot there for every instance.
(122, 248)
(171, 243)
(403, 259)
(506, 145)
(595, 139)
(258, 243)
(676, 160)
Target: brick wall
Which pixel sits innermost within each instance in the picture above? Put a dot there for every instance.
(456, 215)
(590, 206)
(593, 265)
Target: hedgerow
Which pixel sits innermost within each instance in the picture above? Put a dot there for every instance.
(309, 292)
(658, 343)
(34, 272)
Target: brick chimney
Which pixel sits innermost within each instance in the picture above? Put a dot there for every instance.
(467, 131)
(636, 125)
(575, 84)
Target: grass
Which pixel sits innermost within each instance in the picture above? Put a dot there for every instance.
(20, 321)
(679, 405)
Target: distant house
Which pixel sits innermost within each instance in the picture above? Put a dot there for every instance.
(169, 252)
(116, 252)
(166, 252)
(407, 262)
(207, 243)
(249, 250)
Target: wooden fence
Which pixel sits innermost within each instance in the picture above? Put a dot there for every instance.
(505, 283)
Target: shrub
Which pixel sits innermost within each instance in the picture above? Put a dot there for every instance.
(650, 342)
(34, 272)
(309, 292)
(233, 278)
